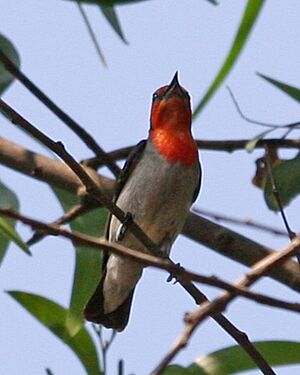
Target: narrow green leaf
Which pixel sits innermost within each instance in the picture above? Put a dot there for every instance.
(53, 316)
(110, 2)
(287, 177)
(233, 360)
(91, 32)
(5, 77)
(292, 91)
(250, 15)
(88, 261)
(8, 231)
(8, 199)
(110, 14)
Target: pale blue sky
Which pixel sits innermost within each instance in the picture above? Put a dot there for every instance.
(190, 36)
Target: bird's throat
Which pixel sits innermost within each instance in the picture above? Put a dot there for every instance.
(176, 146)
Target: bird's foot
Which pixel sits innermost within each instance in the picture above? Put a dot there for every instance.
(172, 276)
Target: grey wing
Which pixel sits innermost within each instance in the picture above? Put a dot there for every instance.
(196, 192)
(130, 164)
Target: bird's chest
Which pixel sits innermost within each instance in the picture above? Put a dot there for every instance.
(158, 195)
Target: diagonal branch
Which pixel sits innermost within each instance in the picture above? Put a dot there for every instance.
(64, 117)
(194, 319)
(93, 190)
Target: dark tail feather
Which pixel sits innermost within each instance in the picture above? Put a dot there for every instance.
(117, 319)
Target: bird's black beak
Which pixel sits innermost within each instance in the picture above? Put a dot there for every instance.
(174, 88)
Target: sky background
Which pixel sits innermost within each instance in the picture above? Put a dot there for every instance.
(193, 37)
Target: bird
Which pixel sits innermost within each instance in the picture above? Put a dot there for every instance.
(156, 188)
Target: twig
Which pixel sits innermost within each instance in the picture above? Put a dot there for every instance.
(150, 260)
(219, 304)
(72, 214)
(212, 235)
(91, 32)
(247, 222)
(275, 191)
(276, 195)
(251, 121)
(64, 117)
(121, 367)
(104, 344)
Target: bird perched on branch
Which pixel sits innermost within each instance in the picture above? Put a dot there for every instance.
(156, 188)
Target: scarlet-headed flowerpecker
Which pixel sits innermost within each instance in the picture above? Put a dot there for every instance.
(157, 186)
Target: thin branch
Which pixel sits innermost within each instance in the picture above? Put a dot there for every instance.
(73, 213)
(64, 117)
(251, 121)
(244, 222)
(212, 235)
(276, 195)
(209, 145)
(150, 260)
(194, 319)
(91, 32)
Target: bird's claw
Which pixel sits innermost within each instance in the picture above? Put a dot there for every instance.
(171, 276)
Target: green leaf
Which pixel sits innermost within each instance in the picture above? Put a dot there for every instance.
(53, 316)
(108, 3)
(292, 91)
(9, 200)
(233, 360)
(88, 261)
(8, 231)
(250, 15)
(5, 77)
(287, 177)
(111, 16)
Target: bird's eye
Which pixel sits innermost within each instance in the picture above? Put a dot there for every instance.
(155, 96)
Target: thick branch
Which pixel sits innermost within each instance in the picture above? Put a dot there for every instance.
(45, 169)
(199, 229)
(238, 247)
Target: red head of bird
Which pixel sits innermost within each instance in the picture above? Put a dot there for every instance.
(170, 121)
